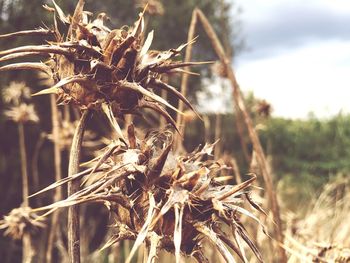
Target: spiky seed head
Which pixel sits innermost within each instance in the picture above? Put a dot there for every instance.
(15, 93)
(153, 193)
(20, 221)
(95, 65)
(22, 113)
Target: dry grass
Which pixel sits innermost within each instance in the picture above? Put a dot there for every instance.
(322, 234)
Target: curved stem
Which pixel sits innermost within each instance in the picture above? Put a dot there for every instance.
(184, 83)
(239, 103)
(73, 186)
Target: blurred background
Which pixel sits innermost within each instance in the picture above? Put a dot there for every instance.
(292, 61)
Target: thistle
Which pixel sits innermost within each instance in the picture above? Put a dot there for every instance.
(20, 224)
(15, 93)
(165, 201)
(97, 68)
(21, 221)
(169, 202)
(21, 113)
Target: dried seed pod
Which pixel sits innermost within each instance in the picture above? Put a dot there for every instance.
(95, 65)
(168, 201)
(20, 221)
(22, 113)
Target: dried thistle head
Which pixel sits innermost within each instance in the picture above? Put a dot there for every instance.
(15, 93)
(96, 67)
(20, 221)
(22, 113)
(263, 108)
(169, 202)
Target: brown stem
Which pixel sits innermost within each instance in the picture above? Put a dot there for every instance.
(34, 164)
(184, 82)
(28, 252)
(236, 171)
(238, 100)
(26, 241)
(241, 136)
(22, 148)
(58, 175)
(164, 94)
(218, 136)
(126, 248)
(73, 187)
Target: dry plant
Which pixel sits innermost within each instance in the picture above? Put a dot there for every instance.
(16, 96)
(199, 17)
(169, 202)
(323, 233)
(21, 221)
(165, 201)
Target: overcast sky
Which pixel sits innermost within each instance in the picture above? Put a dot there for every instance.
(298, 55)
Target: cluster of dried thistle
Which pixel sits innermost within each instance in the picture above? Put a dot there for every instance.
(164, 200)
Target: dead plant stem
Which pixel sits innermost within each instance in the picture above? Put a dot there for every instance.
(26, 240)
(239, 103)
(73, 211)
(184, 82)
(22, 148)
(58, 175)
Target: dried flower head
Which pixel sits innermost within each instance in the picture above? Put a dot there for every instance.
(169, 202)
(16, 92)
(22, 113)
(19, 221)
(263, 108)
(98, 68)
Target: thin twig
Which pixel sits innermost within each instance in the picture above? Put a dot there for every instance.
(73, 187)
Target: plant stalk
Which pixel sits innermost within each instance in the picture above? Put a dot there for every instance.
(22, 148)
(73, 187)
(218, 136)
(239, 103)
(27, 252)
(184, 83)
(58, 175)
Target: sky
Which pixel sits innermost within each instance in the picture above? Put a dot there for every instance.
(297, 55)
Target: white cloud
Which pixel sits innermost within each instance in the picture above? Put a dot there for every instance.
(311, 78)
(300, 55)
